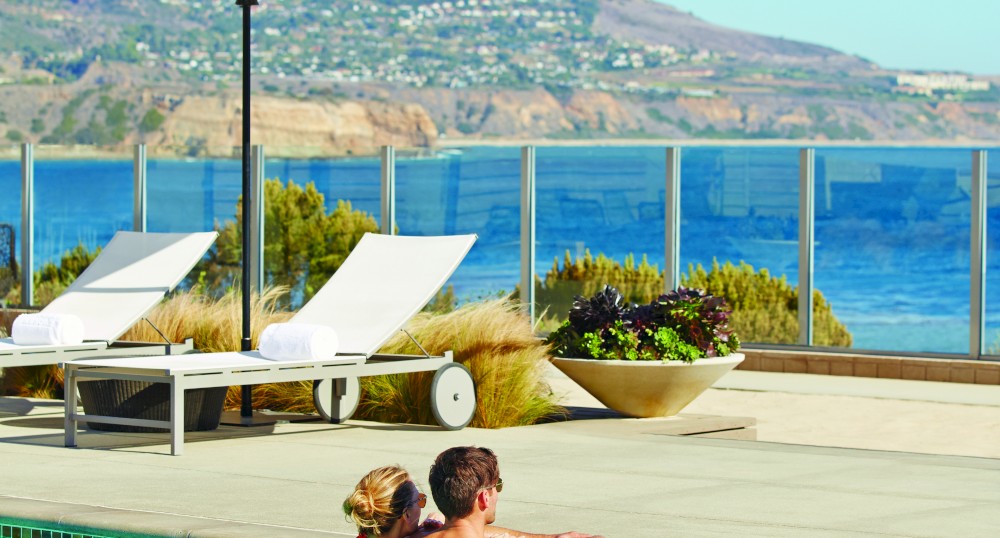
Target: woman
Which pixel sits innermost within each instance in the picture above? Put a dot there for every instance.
(386, 504)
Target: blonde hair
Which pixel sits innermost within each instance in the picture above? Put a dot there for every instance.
(379, 499)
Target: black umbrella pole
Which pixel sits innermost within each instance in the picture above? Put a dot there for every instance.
(246, 406)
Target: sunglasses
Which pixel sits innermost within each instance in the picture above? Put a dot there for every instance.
(499, 485)
(421, 500)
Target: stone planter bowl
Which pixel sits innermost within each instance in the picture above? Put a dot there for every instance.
(645, 389)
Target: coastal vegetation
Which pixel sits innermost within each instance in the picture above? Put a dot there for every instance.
(765, 307)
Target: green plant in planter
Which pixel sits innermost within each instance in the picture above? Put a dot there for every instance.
(685, 324)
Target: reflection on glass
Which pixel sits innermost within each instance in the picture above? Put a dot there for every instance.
(83, 195)
(741, 206)
(892, 245)
(602, 201)
(991, 336)
(469, 190)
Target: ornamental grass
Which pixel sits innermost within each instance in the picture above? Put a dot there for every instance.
(494, 339)
(215, 324)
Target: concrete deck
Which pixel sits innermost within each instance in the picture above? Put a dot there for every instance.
(611, 476)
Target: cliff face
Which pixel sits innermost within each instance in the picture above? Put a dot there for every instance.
(293, 127)
(196, 123)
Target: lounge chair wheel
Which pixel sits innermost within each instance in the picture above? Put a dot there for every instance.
(453, 396)
(332, 409)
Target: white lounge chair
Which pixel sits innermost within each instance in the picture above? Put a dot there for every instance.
(384, 282)
(126, 280)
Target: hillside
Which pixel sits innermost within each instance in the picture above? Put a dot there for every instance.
(660, 24)
(338, 77)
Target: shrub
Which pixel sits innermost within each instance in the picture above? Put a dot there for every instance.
(765, 308)
(587, 275)
(151, 121)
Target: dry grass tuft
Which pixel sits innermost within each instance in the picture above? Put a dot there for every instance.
(494, 340)
(215, 325)
(33, 382)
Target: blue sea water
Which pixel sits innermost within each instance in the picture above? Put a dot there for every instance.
(891, 229)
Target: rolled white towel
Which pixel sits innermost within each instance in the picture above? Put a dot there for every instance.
(298, 341)
(47, 329)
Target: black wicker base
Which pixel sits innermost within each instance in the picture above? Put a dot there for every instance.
(150, 401)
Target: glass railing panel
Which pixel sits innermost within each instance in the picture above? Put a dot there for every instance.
(354, 179)
(10, 219)
(83, 195)
(466, 190)
(892, 245)
(740, 206)
(991, 336)
(599, 201)
(191, 189)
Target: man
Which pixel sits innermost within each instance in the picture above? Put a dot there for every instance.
(465, 483)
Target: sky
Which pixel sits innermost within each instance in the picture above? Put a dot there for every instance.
(945, 35)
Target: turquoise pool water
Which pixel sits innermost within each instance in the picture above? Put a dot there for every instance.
(13, 529)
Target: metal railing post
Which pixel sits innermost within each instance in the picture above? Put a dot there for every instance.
(528, 230)
(807, 207)
(257, 218)
(27, 223)
(977, 255)
(139, 188)
(388, 157)
(672, 221)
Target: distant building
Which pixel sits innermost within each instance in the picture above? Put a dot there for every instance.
(941, 81)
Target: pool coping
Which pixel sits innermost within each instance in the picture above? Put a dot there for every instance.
(73, 518)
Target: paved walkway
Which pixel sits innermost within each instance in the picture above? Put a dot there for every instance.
(851, 412)
(616, 477)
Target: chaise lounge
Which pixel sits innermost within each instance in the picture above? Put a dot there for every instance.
(126, 280)
(383, 283)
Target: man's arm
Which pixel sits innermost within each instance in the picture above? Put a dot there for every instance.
(500, 532)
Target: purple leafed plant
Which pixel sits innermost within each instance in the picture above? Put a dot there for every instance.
(685, 324)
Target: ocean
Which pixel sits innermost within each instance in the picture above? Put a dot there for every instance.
(891, 224)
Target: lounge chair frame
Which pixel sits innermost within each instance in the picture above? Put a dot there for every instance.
(180, 379)
(44, 355)
(130, 276)
(453, 399)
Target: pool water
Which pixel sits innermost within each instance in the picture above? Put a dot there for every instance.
(15, 530)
